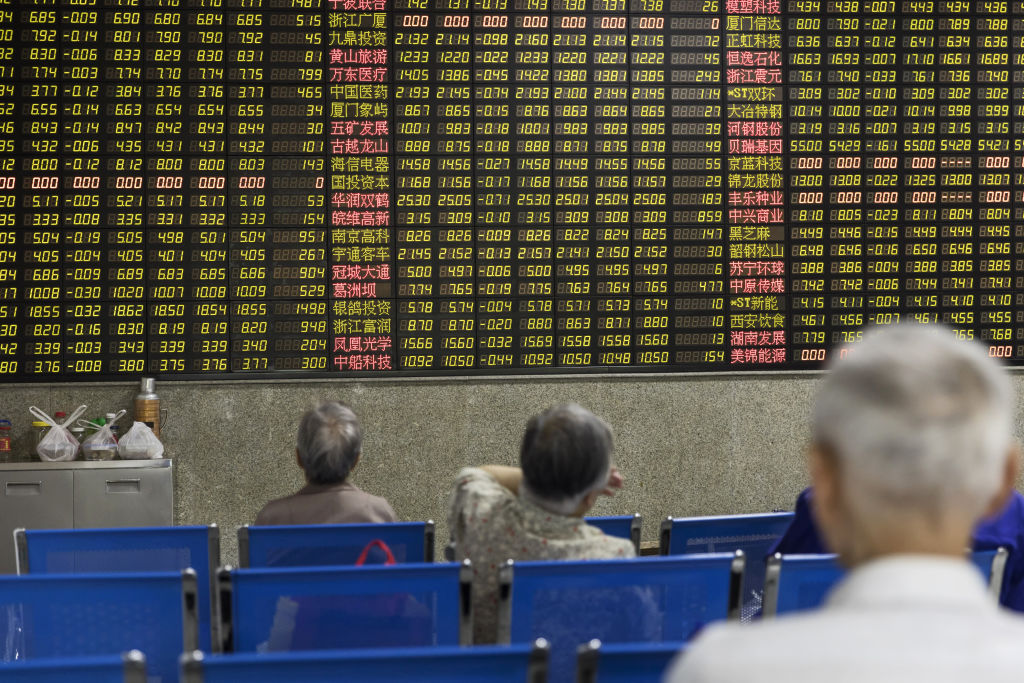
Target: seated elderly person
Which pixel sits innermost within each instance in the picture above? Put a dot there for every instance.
(533, 512)
(912, 446)
(328, 449)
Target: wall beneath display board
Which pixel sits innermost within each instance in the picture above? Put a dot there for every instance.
(687, 445)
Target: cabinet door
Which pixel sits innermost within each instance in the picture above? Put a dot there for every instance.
(32, 500)
(123, 497)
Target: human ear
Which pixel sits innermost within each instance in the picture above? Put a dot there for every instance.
(587, 503)
(827, 497)
(1011, 468)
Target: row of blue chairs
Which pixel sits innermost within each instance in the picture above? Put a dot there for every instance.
(340, 544)
(522, 663)
(276, 547)
(655, 599)
(148, 550)
(421, 605)
(752, 534)
(159, 549)
(319, 608)
(801, 582)
(593, 593)
(198, 547)
(517, 663)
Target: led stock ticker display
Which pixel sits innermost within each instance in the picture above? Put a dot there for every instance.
(332, 187)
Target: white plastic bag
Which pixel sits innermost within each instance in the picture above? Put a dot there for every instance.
(100, 445)
(140, 443)
(58, 444)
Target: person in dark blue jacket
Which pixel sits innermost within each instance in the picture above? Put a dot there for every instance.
(1004, 530)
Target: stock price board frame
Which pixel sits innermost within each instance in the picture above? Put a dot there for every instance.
(238, 189)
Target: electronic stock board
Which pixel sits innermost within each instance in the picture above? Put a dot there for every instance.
(331, 187)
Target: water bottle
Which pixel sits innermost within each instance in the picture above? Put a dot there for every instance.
(147, 405)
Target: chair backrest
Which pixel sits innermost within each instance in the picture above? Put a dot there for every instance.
(647, 599)
(324, 608)
(136, 549)
(322, 545)
(753, 534)
(625, 662)
(621, 526)
(73, 615)
(992, 565)
(526, 663)
(798, 582)
(127, 668)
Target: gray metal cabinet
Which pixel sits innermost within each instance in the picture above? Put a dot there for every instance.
(34, 500)
(82, 495)
(128, 497)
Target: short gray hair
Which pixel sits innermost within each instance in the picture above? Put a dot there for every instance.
(329, 442)
(565, 454)
(917, 420)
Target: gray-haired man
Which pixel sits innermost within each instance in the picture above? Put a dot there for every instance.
(328, 447)
(534, 512)
(912, 444)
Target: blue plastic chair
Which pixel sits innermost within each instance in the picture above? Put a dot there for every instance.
(620, 526)
(649, 599)
(127, 668)
(802, 582)
(320, 545)
(324, 608)
(136, 549)
(753, 534)
(61, 615)
(625, 663)
(525, 663)
(798, 582)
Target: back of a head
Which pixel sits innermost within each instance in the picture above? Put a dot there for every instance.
(565, 454)
(329, 443)
(918, 420)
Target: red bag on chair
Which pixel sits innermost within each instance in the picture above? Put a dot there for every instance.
(389, 557)
(392, 619)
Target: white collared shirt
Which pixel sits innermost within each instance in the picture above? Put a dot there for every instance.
(900, 619)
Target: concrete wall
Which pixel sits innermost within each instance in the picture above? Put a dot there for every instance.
(686, 445)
